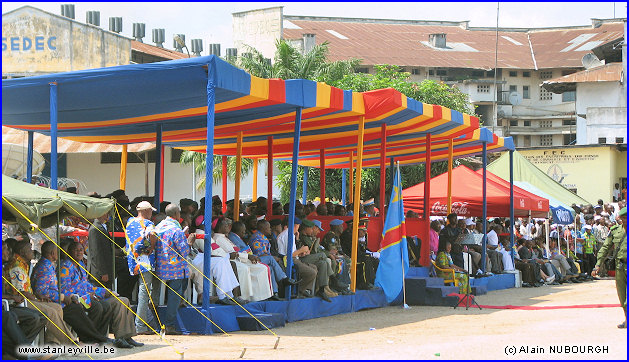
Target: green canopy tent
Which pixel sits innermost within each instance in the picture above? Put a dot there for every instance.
(525, 171)
(40, 204)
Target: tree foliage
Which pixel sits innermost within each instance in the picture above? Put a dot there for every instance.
(198, 159)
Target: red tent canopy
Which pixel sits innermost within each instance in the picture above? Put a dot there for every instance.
(538, 205)
(467, 196)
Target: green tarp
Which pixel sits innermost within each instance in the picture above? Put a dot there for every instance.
(40, 204)
(525, 171)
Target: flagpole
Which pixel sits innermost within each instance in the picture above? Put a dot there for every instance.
(404, 305)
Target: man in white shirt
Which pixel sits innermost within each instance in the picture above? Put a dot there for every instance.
(307, 272)
(220, 270)
(492, 243)
(254, 277)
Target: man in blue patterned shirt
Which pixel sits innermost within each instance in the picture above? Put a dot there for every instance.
(74, 280)
(172, 249)
(141, 239)
(44, 282)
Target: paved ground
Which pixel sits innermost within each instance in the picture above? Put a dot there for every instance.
(431, 332)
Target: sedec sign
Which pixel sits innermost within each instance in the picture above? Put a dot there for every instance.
(24, 43)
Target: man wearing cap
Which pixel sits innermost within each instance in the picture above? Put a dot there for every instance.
(618, 238)
(171, 251)
(589, 250)
(307, 272)
(334, 259)
(141, 238)
(366, 265)
(331, 242)
(317, 257)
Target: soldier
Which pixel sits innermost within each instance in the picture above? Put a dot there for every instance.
(317, 257)
(366, 264)
(617, 237)
(336, 262)
(332, 244)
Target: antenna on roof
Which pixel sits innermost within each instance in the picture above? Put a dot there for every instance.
(590, 61)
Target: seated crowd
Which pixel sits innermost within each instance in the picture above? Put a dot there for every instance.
(73, 282)
(74, 285)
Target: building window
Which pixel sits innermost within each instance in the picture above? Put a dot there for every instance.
(569, 139)
(442, 72)
(545, 124)
(546, 74)
(175, 155)
(545, 95)
(490, 74)
(569, 122)
(132, 157)
(568, 96)
(602, 140)
(513, 88)
(513, 73)
(478, 73)
(362, 70)
(527, 123)
(526, 94)
(482, 88)
(515, 140)
(620, 140)
(527, 141)
(546, 140)
(431, 72)
(415, 71)
(526, 74)
(513, 123)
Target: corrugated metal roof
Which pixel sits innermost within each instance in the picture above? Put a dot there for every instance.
(406, 44)
(611, 72)
(562, 48)
(41, 143)
(156, 51)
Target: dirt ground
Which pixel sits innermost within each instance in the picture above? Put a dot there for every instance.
(431, 332)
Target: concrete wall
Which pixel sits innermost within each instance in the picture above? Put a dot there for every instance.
(34, 41)
(104, 178)
(596, 100)
(257, 28)
(592, 171)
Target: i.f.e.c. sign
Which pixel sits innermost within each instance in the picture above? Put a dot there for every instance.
(25, 44)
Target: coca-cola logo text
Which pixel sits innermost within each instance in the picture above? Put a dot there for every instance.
(459, 208)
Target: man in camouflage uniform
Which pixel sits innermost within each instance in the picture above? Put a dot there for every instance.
(331, 244)
(317, 257)
(618, 238)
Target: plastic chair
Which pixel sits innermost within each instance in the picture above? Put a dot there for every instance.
(448, 272)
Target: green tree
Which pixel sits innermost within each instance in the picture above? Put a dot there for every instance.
(290, 63)
(198, 159)
(385, 76)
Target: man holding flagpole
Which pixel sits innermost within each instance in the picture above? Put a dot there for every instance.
(393, 249)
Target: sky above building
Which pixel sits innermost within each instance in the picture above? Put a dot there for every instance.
(212, 21)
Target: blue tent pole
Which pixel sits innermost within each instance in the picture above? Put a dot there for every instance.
(304, 196)
(293, 199)
(343, 187)
(484, 254)
(158, 164)
(511, 211)
(53, 136)
(209, 162)
(29, 158)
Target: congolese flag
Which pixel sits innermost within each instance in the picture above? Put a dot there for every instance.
(393, 249)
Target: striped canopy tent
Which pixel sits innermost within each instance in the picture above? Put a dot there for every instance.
(410, 150)
(387, 108)
(124, 104)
